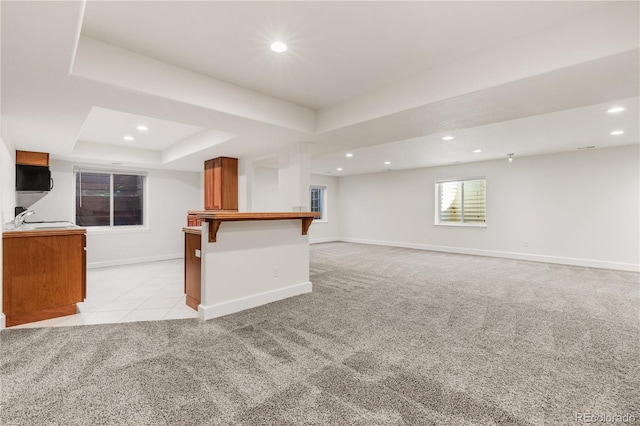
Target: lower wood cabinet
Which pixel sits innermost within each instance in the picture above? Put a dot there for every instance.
(43, 274)
(192, 268)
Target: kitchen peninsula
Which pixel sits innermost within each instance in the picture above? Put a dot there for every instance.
(246, 259)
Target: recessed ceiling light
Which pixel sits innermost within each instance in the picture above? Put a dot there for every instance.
(477, 150)
(339, 169)
(447, 138)
(615, 109)
(386, 163)
(278, 46)
(128, 138)
(348, 154)
(142, 128)
(617, 132)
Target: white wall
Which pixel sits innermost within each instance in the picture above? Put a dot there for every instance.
(252, 263)
(170, 194)
(265, 189)
(7, 197)
(256, 181)
(8, 172)
(328, 230)
(578, 208)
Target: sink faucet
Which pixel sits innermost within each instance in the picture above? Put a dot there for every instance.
(19, 220)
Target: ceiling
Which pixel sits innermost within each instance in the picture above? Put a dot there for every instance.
(384, 81)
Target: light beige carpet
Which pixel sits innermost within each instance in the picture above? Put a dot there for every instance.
(389, 336)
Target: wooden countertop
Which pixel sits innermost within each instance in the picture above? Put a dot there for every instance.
(229, 215)
(19, 233)
(216, 217)
(192, 230)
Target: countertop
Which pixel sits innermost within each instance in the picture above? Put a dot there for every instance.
(216, 217)
(41, 229)
(192, 230)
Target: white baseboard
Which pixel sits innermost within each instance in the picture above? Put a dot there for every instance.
(3, 321)
(590, 263)
(133, 260)
(248, 302)
(324, 240)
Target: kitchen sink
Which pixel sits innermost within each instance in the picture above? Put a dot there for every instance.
(45, 225)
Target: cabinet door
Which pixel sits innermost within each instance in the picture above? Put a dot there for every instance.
(192, 280)
(84, 267)
(216, 186)
(228, 183)
(42, 272)
(209, 182)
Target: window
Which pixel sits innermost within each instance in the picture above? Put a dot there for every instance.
(318, 201)
(461, 201)
(109, 198)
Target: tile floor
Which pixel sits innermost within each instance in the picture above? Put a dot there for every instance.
(141, 292)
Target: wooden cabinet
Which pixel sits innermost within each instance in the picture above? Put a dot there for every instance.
(43, 274)
(221, 184)
(192, 265)
(29, 158)
(192, 219)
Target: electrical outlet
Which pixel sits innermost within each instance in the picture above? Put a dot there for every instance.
(276, 271)
(525, 243)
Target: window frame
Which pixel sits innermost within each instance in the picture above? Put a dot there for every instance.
(323, 203)
(462, 224)
(111, 172)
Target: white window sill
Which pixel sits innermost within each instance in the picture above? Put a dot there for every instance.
(462, 225)
(320, 221)
(116, 230)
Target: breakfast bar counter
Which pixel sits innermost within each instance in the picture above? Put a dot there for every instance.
(246, 259)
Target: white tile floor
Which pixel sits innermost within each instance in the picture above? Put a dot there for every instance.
(142, 292)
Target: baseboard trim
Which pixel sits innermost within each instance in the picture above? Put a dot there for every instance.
(3, 321)
(324, 240)
(248, 302)
(131, 261)
(589, 263)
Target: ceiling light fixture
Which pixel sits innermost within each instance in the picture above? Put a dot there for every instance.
(615, 109)
(339, 169)
(142, 128)
(348, 154)
(128, 138)
(617, 132)
(386, 163)
(510, 156)
(477, 151)
(447, 138)
(278, 46)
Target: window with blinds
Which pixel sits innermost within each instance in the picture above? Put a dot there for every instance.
(109, 198)
(318, 201)
(462, 201)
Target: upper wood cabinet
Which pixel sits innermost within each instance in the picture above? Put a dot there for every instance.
(28, 158)
(221, 184)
